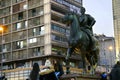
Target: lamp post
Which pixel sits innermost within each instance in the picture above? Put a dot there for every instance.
(1, 30)
(110, 49)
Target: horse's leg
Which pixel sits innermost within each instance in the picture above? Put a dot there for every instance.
(69, 52)
(84, 63)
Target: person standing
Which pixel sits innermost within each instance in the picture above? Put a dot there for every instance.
(34, 75)
(115, 72)
(48, 72)
(103, 76)
(58, 68)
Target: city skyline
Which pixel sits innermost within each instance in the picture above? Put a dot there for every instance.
(102, 12)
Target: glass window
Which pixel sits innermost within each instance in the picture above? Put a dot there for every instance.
(25, 6)
(33, 12)
(34, 22)
(20, 65)
(18, 25)
(19, 7)
(25, 24)
(3, 20)
(33, 40)
(6, 20)
(58, 28)
(20, 15)
(71, 6)
(5, 11)
(34, 31)
(58, 38)
(34, 3)
(6, 47)
(41, 30)
(19, 44)
(27, 64)
(37, 51)
(16, 8)
(6, 57)
(41, 11)
(4, 3)
(80, 1)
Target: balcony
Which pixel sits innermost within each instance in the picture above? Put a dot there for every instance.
(59, 8)
(78, 4)
(60, 44)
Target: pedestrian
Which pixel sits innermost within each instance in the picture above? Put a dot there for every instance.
(48, 72)
(115, 72)
(58, 68)
(103, 76)
(34, 75)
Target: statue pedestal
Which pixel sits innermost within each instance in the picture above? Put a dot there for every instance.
(79, 77)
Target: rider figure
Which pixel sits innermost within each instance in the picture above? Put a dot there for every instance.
(86, 23)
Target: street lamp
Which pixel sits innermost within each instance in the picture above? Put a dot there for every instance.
(110, 49)
(1, 30)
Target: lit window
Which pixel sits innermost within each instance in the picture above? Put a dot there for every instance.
(33, 40)
(18, 43)
(34, 30)
(18, 25)
(42, 28)
(30, 40)
(25, 6)
(26, 23)
(21, 44)
(41, 12)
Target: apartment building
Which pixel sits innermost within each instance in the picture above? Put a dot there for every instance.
(107, 55)
(33, 33)
(116, 19)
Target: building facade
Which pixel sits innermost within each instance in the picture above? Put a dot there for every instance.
(116, 19)
(33, 33)
(107, 55)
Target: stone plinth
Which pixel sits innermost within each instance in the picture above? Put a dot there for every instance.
(79, 77)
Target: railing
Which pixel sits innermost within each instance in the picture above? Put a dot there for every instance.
(73, 70)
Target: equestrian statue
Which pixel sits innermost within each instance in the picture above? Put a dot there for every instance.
(81, 37)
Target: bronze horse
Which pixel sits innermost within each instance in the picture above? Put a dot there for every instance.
(80, 40)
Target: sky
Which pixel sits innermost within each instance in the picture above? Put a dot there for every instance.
(101, 10)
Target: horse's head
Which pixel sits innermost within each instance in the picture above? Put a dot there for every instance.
(68, 18)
